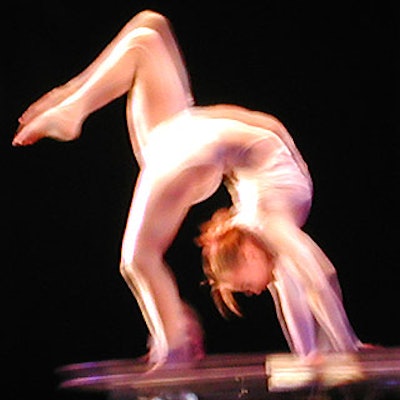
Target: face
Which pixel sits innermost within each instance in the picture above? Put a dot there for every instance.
(252, 273)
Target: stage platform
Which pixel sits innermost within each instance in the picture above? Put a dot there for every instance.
(372, 374)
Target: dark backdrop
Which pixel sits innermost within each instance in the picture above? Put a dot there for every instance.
(327, 71)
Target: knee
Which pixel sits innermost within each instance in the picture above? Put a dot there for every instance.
(149, 19)
(128, 268)
(138, 265)
(124, 269)
(152, 16)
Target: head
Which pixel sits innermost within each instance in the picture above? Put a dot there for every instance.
(234, 260)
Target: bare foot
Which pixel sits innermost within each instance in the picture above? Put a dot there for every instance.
(59, 123)
(50, 100)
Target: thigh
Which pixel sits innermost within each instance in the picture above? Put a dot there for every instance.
(160, 204)
(159, 91)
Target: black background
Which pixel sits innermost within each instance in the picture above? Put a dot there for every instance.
(326, 69)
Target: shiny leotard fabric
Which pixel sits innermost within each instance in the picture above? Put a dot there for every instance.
(185, 153)
(273, 200)
(271, 196)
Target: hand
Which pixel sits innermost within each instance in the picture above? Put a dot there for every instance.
(370, 346)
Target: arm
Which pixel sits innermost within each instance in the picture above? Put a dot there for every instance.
(293, 312)
(311, 312)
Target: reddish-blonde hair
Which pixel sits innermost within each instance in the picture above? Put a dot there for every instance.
(221, 242)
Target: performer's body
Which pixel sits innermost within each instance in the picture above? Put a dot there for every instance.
(185, 153)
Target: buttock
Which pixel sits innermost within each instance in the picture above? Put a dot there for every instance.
(194, 184)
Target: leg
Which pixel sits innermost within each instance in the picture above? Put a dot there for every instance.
(160, 203)
(143, 59)
(145, 271)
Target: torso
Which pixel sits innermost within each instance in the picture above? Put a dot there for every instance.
(263, 173)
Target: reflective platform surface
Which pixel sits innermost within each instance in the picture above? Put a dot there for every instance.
(372, 374)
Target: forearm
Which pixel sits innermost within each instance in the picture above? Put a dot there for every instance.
(293, 313)
(314, 319)
(331, 317)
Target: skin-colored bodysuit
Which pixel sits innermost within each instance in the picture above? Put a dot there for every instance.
(185, 153)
